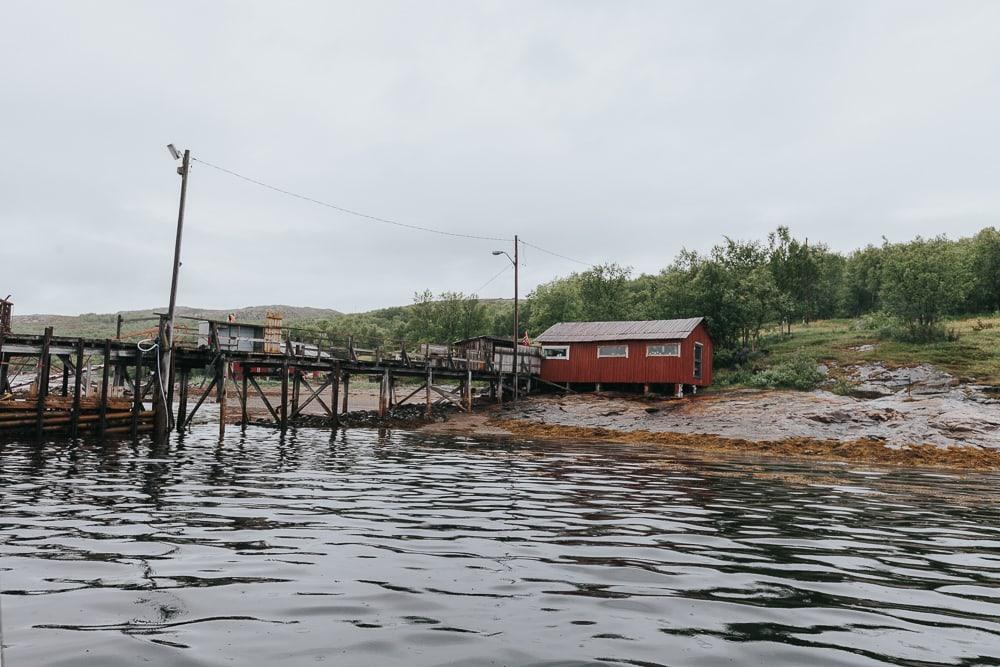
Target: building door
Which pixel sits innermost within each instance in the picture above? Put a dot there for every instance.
(697, 360)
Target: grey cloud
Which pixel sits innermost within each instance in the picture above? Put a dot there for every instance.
(602, 130)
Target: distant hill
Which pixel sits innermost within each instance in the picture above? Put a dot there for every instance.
(102, 325)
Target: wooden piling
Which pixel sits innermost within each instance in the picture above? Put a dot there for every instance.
(136, 394)
(296, 390)
(4, 363)
(102, 423)
(347, 387)
(284, 394)
(244, 417)
(429, 409)
(221, 370)
(171, 372)
(382, 389)
(468, 390)
(334, 391)
(65, 377)
(182, 400)
(42, 381)
(75, 414)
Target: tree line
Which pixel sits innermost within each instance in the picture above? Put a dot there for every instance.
(741, 287)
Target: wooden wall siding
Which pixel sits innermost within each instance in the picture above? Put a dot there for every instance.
(584, 366)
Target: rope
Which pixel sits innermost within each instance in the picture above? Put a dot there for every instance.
(153, 344)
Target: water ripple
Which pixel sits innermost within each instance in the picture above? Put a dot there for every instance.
(367, 547)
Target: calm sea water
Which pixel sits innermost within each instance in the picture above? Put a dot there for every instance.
(367, 548)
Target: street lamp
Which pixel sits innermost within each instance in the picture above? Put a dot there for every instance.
(517, 325)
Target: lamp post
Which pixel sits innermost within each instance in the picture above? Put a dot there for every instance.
(517, 324)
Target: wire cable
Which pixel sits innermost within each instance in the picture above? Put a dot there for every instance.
(555, 254)
(150, 345)
(498, 274)
(373, 218)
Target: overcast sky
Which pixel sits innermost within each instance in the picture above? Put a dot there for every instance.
(604, 131)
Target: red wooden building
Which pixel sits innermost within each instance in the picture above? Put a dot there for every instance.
(651, 353)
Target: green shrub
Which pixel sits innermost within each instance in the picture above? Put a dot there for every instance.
(878, 322)
(728, 377)
(799, 372)
(842, 387)
(887, 327)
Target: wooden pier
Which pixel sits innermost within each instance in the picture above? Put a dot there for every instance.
(135, 395)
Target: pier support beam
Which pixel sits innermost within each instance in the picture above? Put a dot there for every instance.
(284, 395)
(221, 371)
(347, 388)
(42, 381)
(429, 410)
(296, 390)
(74, 420)
(244, 417)
(468, 391)
(182, 401)
(334, 394)
(171, 376)
(4, 364)
(102, 422)
(136, 395)
(383, 390)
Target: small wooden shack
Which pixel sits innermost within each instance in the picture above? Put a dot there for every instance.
(656, 354)
(497, 353)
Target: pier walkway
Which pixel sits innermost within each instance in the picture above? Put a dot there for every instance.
(49, 384)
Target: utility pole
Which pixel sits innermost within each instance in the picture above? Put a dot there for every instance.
(517, 322)
(167, 342)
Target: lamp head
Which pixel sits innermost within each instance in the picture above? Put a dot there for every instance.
(174, 152)
(498, 252)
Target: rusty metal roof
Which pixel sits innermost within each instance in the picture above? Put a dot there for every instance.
(585, 332)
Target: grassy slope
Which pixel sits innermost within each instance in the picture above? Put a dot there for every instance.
(974, 356)
(102, 325)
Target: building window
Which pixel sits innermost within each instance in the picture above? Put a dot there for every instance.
(697, 360)
(612, 351)
(555, 351)
(665, 350)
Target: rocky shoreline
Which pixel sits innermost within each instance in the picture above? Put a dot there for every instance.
(898, 407)
(916, 416)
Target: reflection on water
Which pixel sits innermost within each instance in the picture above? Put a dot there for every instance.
(368, 548)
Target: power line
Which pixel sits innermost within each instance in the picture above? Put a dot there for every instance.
(555, 254)
(319, 202)
(498, 274)
(386, 221)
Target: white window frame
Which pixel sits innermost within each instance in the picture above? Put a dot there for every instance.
(613, 356)
(677, 346)
(564, 348)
